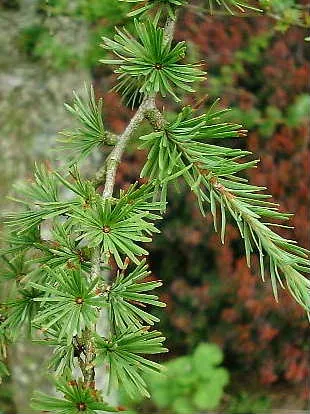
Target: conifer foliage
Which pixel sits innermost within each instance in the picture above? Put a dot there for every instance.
(151, 62)
(68, 234)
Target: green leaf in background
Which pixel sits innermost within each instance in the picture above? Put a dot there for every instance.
(160, 395)
(182, 369)
(299, 111)
(220, 376)
(286, 12)
(205, 357)
(208, 396)
(182, 405)
(193, 382)
(244, 403)
(4, 372)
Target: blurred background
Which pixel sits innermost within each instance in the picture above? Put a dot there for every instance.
(220, 318)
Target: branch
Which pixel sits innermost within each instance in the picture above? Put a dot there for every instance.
(117, 152)
(147, 104)
(145, 111)
(170, 29)
(284, 255)
(201, 11)
(264, 240)
(86, 366)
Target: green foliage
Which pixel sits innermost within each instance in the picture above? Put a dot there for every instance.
(126, 293)
(91, 134)
(212, 172)
(76, 398)
(150, 64)
(247, 404)
(43, 190)
(170, 148)
(42, 193)
(83, 189)
(169, 5)
(286, 12)
(72, 301)
(28, 39)
(4, 372)
(62, 359)
(74, 45)
(298, 112)
(17, 244)
(116, 226)
(13, 269)
(110, 10)
(63, 250)
(123, 355)
(3, 337)
(46, 40)
(54, 291)
(192, 383)
(231, 5)
(20, 311)
(67, 235)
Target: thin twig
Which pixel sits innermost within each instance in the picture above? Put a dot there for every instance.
(201, 11)
(147, 104)
(117, 152)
